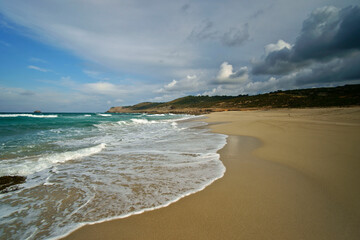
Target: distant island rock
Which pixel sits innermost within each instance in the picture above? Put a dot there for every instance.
(37, 111)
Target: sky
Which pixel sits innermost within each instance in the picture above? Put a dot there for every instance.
(87, 56)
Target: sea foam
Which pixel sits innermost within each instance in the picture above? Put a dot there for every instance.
(112, 168)
(29, 166)
(29, 115)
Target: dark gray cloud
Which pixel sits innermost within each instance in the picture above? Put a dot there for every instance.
(203, 31)
(185, 7)
(236, 36)
(257, 13)
(334, 72)
(328, 33)
(261, 11)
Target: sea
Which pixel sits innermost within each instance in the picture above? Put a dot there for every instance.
(86, 168)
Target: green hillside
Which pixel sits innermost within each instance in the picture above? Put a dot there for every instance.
(347, 95)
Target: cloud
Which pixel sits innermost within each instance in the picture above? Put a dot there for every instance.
(90, 73)
(23, 100)
(327, 34)
(95, 96)
(102, 88)
(225, 82)
(205, 30)
(122, 36)
(39, 60)
(185, 7)
(96, 75)
(191, 83)
(27, 93)
(261, 11)
(236, 36)
(226, 75)
(38, 68)
(281, 44)
(334, 73)
(167, 49)
(6, 44)
(221, 90)
(257, 13)
(5, 24)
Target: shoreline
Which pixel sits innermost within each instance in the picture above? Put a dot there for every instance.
(264, 193)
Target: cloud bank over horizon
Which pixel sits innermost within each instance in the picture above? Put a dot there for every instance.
(112, 53)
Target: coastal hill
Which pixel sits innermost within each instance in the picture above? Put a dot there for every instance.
(348, 95)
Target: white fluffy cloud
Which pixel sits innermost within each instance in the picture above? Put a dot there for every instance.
(272, 47)
(227, 75)
(226, 81)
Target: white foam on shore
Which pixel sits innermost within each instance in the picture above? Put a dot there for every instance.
(202, 158)
(142, 121)
(29, 115)
(166, 204)
(29, 166)
(149, 163)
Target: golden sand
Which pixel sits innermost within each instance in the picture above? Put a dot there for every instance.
(295, 176)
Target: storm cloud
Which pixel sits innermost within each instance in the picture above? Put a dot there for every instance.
(327, 34)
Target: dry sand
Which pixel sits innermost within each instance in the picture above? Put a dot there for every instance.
(295, 176)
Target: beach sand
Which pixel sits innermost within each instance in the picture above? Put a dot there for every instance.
(291, 174)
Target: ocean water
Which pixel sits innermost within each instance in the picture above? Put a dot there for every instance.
(86, 168)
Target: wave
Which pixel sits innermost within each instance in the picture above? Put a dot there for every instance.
(87, 115)
(157, 115)
(156, 156)
(28, 115)
(30, 166)
(142, 121)
(104, 115)
(147, 209)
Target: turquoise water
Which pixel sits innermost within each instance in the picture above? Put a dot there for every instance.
(90, 167)
(32, 134)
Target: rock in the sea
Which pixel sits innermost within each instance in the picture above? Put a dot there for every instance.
(37, 111)
(7, 183)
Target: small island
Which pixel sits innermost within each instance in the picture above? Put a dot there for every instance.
(37, 111)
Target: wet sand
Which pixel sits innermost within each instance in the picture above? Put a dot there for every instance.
(291, 174)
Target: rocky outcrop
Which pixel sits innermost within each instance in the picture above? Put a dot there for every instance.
(117, 110)
(37, 111)
(8, 183)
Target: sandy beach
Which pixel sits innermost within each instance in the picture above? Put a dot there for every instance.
(291, 174)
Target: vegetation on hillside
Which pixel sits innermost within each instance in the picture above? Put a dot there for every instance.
(347, 95)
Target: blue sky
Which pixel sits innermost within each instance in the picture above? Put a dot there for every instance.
(87, 56)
